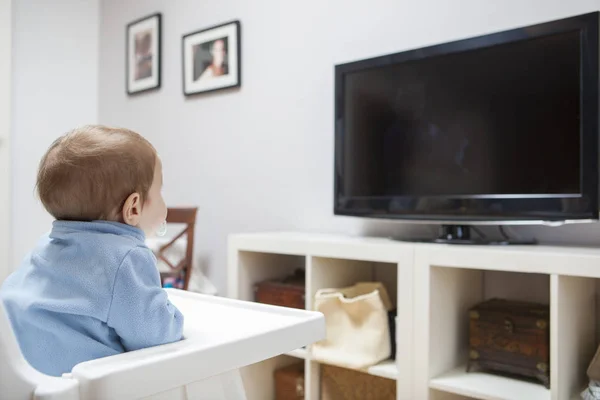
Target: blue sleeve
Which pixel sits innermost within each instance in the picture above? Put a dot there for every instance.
(140, 312)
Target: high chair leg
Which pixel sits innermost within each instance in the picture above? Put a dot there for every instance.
(233, 386)
(227, 386)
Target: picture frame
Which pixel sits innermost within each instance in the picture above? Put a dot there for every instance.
(144, 54)
(212, 59)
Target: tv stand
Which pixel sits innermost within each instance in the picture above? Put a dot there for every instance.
(461, 234)
(433, 287)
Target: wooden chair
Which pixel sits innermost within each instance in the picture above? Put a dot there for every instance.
(184, 267)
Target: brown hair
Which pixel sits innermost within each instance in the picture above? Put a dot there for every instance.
(88, 173)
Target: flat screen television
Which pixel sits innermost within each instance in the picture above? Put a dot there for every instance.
(500, 129)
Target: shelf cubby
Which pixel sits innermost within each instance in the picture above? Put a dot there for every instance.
(453, 291)
(453, 279)
(337, 273)
(255, 267)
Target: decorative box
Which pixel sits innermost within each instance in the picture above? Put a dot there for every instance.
(346, 384)
(289, 382)
(287, 292)
(511, 337)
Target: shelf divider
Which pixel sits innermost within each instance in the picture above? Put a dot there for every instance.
(572, 333)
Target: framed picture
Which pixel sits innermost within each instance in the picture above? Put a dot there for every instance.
(212, 59)
(143, 54)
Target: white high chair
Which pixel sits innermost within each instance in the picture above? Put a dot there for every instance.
(221, 336)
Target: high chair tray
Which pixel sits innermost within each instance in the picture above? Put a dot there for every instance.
(220, 335)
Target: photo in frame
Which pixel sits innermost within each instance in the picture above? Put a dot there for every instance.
(211, 59)
(143, 54)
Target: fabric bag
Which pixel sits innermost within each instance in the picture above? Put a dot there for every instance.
(356, 320)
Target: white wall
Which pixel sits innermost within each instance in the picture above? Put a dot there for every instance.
(261, 158)
(55, 88)
(5, 84)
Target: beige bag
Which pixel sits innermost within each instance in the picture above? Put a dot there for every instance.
(356, 319)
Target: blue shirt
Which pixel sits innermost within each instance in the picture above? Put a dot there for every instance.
(88, 290)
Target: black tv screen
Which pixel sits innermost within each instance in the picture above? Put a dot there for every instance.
(500, 127)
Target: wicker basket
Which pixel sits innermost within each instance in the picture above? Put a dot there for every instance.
(345, 384)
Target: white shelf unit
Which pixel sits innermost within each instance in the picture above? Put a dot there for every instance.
(433, 287)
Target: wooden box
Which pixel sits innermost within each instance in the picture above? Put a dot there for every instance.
(511, 337)
(345, 384)
(288, 292)
(289, 382)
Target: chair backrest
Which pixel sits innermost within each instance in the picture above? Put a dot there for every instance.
(185, 216)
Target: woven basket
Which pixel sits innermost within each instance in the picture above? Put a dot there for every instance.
(345, 384)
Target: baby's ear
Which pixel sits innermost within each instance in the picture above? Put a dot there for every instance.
(132, 209)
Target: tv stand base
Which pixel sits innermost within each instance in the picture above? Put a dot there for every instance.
(461, 234)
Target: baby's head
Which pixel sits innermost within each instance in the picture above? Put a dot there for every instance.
(101, 173)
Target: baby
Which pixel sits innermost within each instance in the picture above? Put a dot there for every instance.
(91, 288)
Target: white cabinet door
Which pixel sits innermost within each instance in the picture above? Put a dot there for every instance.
(5, 100)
